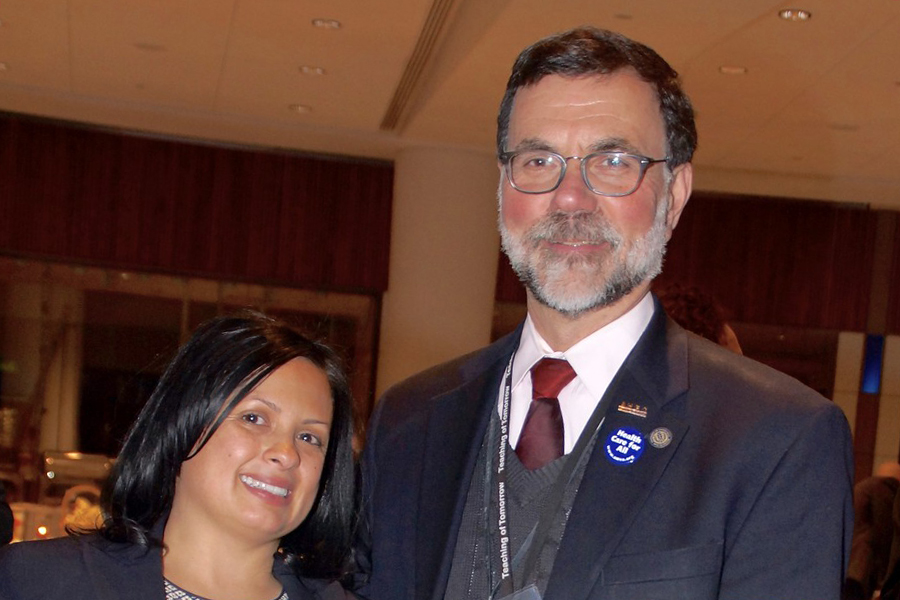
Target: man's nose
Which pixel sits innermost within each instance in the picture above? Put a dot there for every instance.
(573, 194)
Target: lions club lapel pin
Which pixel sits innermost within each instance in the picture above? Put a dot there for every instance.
(660, 437)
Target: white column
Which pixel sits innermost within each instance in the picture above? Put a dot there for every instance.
(887, 436)
(62, 375)
(443, 262)
(848, 371)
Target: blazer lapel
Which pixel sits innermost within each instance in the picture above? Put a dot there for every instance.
(611, 494)
(124, 571)
(456, 430)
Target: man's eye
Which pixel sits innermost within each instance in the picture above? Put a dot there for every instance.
(615, 162)
(537, 161)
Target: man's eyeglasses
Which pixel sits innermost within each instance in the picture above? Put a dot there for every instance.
(605, 173)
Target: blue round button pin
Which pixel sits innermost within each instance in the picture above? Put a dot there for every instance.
(624, 446)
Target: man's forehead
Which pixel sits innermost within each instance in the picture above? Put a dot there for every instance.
(621, 101)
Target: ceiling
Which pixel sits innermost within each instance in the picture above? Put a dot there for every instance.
(815, 115)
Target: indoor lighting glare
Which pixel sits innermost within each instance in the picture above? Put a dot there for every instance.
(732, 70)
(299, 108)
(327, 23)
(795, 14)
(311, 70)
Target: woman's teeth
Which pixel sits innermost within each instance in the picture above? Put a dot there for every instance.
(272, 489)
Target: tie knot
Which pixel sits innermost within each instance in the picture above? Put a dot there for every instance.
(549, 376)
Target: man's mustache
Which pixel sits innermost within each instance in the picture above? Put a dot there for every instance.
(581, 227)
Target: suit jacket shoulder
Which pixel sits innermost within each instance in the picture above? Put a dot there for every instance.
(89, 567)
(79, 567)
(742, 490)
(410, 400)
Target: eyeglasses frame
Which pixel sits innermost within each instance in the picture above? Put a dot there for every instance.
(646, 162)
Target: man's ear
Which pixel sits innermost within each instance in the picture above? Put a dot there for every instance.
(679, 192)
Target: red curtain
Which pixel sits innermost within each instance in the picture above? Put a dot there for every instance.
(133, 202)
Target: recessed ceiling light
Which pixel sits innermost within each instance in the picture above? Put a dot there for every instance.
(299, 108)
(795, 14)
(732, 70)
(311, 70)
(327, 23)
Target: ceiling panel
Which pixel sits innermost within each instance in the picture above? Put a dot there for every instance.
(34, 43)
(815, 115)
(165, 51)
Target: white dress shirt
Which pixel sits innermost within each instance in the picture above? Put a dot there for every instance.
(596, 359)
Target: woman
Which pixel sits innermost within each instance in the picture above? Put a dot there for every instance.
(235, 482)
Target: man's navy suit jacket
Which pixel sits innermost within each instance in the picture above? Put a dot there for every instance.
(751, 499)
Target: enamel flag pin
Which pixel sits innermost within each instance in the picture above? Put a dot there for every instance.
(633, 409)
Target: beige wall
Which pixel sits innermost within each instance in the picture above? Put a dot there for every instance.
(846, 391)
(887, 435)
(848, 370)
(443, 263)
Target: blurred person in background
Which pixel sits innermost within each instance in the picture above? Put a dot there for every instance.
(699, 313)
(235, 482)
(7, 521)
(873, 531)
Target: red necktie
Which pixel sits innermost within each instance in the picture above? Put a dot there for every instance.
(541, 440)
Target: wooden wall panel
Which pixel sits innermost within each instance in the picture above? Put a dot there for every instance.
(777, 261)
(893, 316)
(142, 203)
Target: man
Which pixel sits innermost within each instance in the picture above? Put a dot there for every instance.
(890, 589)
(686, 471)
(873, 505)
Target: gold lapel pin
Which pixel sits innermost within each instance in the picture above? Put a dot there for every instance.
(633, 409)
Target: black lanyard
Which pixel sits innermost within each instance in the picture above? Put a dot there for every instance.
(532, 545)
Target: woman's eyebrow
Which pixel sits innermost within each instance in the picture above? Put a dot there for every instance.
(268, 403)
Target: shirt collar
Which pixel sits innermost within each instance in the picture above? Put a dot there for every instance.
(596, 358)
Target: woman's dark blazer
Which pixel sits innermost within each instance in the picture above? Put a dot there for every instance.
(90, 567)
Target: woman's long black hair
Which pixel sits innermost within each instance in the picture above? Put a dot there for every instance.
(222, 362)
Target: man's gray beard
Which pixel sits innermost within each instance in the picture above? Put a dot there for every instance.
(575, 284)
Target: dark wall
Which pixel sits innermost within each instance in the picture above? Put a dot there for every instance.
(139, 203)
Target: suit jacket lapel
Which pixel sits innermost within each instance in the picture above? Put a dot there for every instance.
(456, 430)
(610, 495)
(124, 571)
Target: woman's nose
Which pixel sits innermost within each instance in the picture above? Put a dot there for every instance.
(283, 452)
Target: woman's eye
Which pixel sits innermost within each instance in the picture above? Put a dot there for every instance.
(253, 418)
(310, 438)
